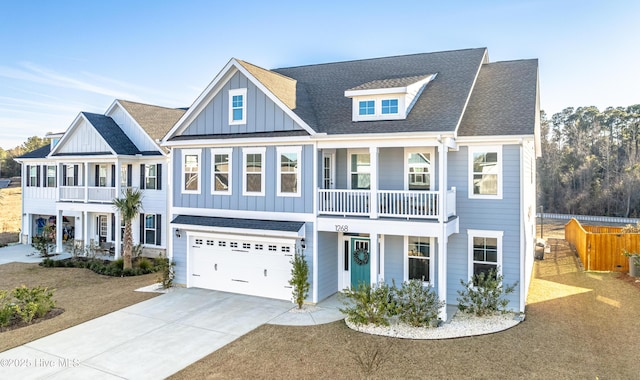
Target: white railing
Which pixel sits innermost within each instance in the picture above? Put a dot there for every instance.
(101, 194)
(390, 203)
(72, 193)
(344, 202)
(95, 194)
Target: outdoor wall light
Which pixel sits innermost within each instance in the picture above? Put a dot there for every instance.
(177, 233)
(302, 244)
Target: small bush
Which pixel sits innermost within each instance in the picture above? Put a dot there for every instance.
(167, 272)
(6, 309)
(484, 294)
(418, 305)
(299, 278)
(41, 297)
(144, 264)
(369, 304)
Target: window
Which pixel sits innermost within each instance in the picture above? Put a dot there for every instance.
(150, 176)
(233, 244)
(367, 107)
(221, 164)
(51, 176)
(150, 229)
(237, 106)
(419, 258)
(360, 170)
(389, 106)
(101, 175)
(419, 171)
(222, 243)
(124, 175)
(289, 171)
(191, 171)
(253, 171)
(485, 172)
(33, 176)
(485, 249)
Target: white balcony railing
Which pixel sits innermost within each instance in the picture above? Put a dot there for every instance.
(94, 194)
(391, 203)
(101, 194)
(71, 193)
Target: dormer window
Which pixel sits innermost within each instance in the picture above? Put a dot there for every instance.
(387, 99)
(237, 106)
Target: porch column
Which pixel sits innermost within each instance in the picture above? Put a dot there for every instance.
(373, 257)
(85, 228)
(59, 180)
(85, 177)
(117, 241)
(59, 232)
(442, 273)
(28, 227)
(373, 179)
(118, 180)
(442, 182)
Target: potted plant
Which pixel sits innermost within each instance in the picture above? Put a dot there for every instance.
(634, 263)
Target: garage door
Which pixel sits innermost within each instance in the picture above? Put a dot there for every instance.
(241, 264)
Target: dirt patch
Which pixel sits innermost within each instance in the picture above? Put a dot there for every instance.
(11, 216)
(579, 325)
(83, 294)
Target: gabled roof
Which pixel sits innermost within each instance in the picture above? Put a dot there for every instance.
(155, 120)
(41, 152)
(284, 88)
(503, 101)
(112, 134)
(390, 83)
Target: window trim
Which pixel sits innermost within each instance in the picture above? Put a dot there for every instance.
(221, 151)
(283, 150)
(408, 151)
(431, 259)
(235, 92)
(389, 113)
(154, 229)
(191, 152)
(55, 176)
(33, 178)
(367, 114)
(483, 149)
(147, 177)
(245, 152)
(351, 152)
(483, 234)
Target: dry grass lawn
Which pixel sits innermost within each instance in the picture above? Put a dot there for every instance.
(579, 326)
(10, 217)
(82, 294)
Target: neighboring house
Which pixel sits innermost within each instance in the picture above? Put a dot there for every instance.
(407, 167)
(77, 176)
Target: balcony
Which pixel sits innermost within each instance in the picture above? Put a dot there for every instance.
(88, 194)
(390, 203)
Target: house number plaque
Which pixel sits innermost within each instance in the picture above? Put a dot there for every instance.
(342, 228)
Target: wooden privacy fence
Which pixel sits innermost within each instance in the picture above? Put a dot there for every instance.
(600, 247)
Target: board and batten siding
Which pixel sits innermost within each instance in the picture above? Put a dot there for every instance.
(270, 202)
(486, 214)
(327, 264)
(84, 139)
(136, 134)
(393, 259)
(262, 114)
(180, 257)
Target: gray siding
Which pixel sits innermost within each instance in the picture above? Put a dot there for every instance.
(391, 169)
(236, 201)
(180, 257)
(393, 259)
(486, 214)
(308, 253)
(327, 264)
(262, 113)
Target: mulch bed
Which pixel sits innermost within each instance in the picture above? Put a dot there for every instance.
(18, 323)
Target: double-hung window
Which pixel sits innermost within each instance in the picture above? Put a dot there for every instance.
(288, 180)
(485, 251)
(238, 106)
(149, 228)
(71, 173)
(191, 171)
(253, 171)
(222, 169)
(485, 172)
(360, 171)
(101, 175)
(150, 176)
(33, 175)
(418, 170)
(389, 106)
(419, 261)
(51, 176)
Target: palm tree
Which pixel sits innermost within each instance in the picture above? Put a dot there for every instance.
(129, 207)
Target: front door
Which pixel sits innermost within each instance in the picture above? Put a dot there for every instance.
(328, 172)
(360, 259)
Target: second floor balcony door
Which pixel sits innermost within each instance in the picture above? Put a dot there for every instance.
(328, 171)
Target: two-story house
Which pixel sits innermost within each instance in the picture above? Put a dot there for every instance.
(77, 176)
(407, 167)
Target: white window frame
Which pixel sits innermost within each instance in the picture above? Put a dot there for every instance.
(407, 152)
(102, 169)
(431, 259)
(155, 177)
(70, 178)
(484, 234)
(243, 93)
(245, 152)
(351, 152)
(229, 153)
(375, 108)
(55, 175)
(154, 229)
(500, 174)
(390, 113)
(33, 178)
(191, 152)
(297, 150)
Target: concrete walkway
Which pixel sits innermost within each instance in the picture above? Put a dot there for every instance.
(24, 253)
(155, 338)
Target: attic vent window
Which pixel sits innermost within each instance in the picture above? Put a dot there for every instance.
(367, 107)
(237, 106)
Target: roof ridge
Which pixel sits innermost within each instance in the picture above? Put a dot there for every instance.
(147, 104)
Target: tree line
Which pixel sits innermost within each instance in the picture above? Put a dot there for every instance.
(590, 162)
(8, 166)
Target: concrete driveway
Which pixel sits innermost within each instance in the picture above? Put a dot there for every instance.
(155, 338)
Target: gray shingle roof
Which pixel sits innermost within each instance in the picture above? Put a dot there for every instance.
(41, 152)
(155, 120)
(390, 83)
(503, 101)
(273, 225)
(241, 135)
(112, 134)
(321, 102)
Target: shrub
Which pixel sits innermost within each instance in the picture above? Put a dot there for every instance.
(167, 273)
(299, 276)
(369, 304)
(39, 298)
(145, 264)
(484, 294)
(418, 305)
(6, 309)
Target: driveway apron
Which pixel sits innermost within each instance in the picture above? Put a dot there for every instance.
(150, 340)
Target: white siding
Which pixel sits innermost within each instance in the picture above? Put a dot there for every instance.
(84, 139)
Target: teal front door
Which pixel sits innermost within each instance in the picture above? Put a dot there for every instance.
(360, 259)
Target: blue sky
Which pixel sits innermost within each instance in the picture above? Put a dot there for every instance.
(58, 58)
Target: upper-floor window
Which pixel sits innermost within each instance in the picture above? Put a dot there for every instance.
(222, 169)
(253, 171)
(151, 176)
(418, 170)
(360, 171)
(485, 172)
(485, 251)
(288, 180)
(191, 171)
(389, 106)
(238, 106)
(367, 107)
(51, 176)
(101, 175)
(34, 176)
(126, 175)
(419, 260)
(70, 175)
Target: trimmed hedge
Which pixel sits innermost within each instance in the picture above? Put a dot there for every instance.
(108, 268)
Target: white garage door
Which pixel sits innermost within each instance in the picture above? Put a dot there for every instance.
(241, 264)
